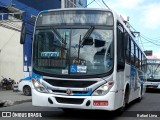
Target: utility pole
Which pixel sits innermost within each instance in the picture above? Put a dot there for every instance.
(62, 4)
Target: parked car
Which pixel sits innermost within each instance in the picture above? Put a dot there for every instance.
(25, 86)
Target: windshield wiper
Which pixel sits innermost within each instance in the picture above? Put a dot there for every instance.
(156, 68)
(79, 47)
(61, 38)
(82, 40)
(88, 33)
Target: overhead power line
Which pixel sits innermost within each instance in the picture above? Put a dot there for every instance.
(98, 4)
(89, 3)
(105, 4)
(142, 44)
(100, 1)
(152, 41)
(149, 40)
(156, 40)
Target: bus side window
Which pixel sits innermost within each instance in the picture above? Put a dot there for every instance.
(137, 57)
(132, 53)
(127, 47)
(120, 48)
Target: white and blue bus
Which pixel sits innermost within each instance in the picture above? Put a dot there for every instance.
(85, 59)
(153, 74)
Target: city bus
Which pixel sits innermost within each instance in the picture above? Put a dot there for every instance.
(85, 59)
(153, 74)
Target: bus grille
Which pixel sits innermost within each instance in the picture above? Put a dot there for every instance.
(69, 100)
(153, 80)
(69, 83)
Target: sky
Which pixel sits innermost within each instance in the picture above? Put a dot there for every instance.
(144, 17)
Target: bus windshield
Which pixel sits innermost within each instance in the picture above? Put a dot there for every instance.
(73, 51)
(153, 70)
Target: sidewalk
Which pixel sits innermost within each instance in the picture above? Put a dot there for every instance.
(8, 98)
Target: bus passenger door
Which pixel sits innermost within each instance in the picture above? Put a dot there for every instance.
(120, 63)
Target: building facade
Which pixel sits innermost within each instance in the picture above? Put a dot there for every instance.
(73, 3)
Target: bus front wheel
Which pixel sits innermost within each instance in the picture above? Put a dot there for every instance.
(140, 97)
(68, 110)
(125, 102)
(27, 91)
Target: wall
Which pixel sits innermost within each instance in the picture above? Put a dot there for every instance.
(11, 53)
(73, 3)
(40, 4)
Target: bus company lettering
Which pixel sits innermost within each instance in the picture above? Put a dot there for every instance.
(81, 69)
(50, 54)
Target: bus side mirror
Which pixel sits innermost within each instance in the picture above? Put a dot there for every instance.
(23, 34)
(99, 43)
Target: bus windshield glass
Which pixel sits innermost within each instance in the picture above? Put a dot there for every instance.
(153, 70)
(74, 51)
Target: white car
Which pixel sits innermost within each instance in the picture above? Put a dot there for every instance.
(25, 86)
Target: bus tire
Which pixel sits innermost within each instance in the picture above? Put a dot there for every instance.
(27, 90)
(67, 110)
(125, 100)
(140, 97)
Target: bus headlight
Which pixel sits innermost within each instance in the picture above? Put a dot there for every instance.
(102, 90)
(39, 87)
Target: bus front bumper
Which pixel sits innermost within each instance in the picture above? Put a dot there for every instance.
(152, 85)
(77, 102)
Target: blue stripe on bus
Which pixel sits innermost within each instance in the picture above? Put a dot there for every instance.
(45, 11)
(27, 78)
(79, 94)
(36, 76)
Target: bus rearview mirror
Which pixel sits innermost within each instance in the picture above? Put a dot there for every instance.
(88, 41)
(23, 34)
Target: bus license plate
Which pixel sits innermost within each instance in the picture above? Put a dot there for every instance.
(100, 103)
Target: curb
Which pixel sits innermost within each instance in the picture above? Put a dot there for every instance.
(22, 101)
(6, 103)
(2, 103)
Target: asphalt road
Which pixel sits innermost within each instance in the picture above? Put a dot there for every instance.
(148, 108)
